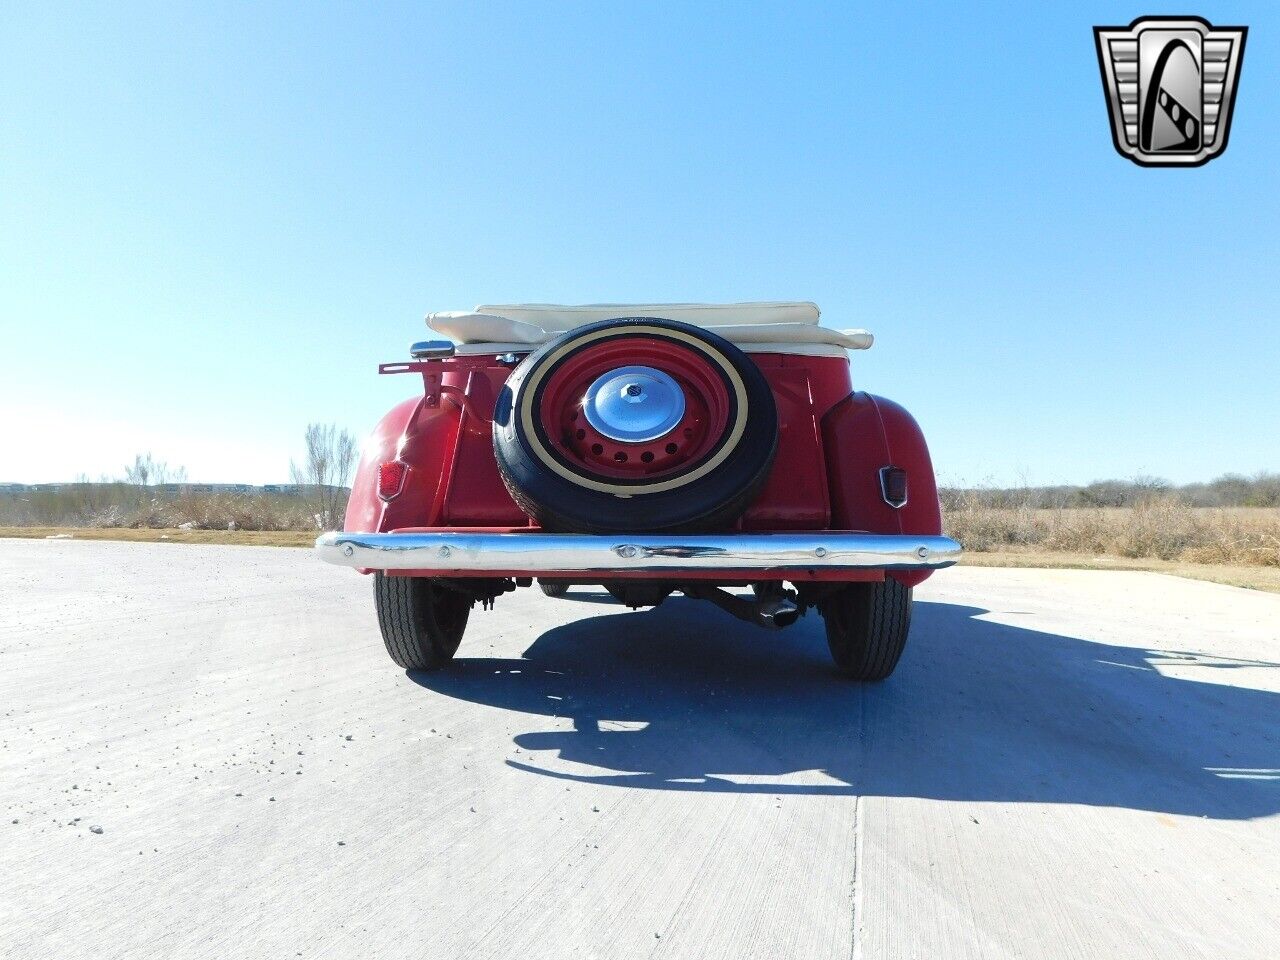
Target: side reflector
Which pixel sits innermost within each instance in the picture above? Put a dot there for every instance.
(391, 478)
(893, 486)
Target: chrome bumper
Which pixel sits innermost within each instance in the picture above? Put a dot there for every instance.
(539, 553)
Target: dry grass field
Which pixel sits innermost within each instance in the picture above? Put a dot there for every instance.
(120, 505)
(1162, 529)
(1231, 575)
(1238, 546)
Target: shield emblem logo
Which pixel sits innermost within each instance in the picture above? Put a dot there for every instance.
(1170, 84)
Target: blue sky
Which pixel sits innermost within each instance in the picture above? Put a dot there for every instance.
(215, 221)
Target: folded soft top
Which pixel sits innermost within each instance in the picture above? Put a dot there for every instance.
(782, 327)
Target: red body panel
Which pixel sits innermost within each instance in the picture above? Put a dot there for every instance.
(832, 444)
(795, 495)
(445, 438)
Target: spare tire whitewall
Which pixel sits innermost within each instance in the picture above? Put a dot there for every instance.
(702, 474)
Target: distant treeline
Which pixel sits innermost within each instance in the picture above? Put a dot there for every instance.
(1228, 490)
(203, 506)
(167, 489)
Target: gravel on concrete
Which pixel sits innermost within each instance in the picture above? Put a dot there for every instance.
(1067, 764)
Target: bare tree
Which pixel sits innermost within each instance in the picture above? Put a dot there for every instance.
(147, 471)
(325, 471)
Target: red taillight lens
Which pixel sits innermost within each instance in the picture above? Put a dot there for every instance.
(391, 478)
(893, 485)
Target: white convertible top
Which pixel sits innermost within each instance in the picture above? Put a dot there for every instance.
(781, 327)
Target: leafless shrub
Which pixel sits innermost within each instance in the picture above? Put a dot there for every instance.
(225, 511)
(325, 471)
(74, 504)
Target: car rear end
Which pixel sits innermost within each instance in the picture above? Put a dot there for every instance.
(650, 455)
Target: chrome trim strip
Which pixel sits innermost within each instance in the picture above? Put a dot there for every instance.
(536, 553)
(425, 349)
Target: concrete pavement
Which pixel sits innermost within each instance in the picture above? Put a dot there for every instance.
(1067, 764)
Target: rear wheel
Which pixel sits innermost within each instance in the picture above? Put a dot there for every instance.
(421, 621)
(552, 588)
(867, 626)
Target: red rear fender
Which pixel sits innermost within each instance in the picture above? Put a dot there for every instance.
(861, 435)
(421, 436)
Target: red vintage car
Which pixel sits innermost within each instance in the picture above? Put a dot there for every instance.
(649, 450)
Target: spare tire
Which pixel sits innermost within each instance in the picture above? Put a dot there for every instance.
(635, 424)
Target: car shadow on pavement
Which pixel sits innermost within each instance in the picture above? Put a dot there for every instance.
(685, 698)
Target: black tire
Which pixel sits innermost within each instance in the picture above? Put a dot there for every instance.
(553, 589)
(867, 625)
(562, 496)
(421, 622)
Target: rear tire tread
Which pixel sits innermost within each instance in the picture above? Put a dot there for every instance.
(407, 618)
(867, 627)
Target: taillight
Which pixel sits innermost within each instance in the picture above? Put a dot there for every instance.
(893, 486)
(391, 478)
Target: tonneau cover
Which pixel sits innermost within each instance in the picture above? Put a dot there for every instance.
(775, 327)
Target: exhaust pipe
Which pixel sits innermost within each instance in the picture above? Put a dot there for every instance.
(773, 613)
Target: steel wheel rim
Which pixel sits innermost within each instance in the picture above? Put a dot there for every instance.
(708, 408)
